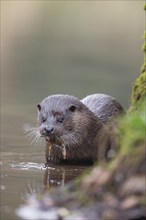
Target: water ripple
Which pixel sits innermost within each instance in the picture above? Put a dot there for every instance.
(30, 166)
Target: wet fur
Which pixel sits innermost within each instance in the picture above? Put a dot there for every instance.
(82, 132)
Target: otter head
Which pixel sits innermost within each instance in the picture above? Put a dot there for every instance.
(62, 119)
(69, 127)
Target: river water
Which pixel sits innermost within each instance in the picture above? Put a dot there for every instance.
(23, 171)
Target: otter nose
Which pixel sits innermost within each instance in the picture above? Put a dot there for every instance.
(48, 130)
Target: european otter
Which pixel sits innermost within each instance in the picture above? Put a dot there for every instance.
(75, 129)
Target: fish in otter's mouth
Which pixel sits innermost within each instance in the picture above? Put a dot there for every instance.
(55, 141)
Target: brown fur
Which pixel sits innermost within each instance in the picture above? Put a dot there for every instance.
(68, 124)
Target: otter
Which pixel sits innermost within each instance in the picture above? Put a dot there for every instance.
(75, 130)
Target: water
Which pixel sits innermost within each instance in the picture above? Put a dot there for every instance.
(24, 174)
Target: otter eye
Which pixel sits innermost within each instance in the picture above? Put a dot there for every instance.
(39, 107)
(61, 119)
(43, 119)
(72, 108)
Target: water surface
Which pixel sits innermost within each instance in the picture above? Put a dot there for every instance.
(24, 174)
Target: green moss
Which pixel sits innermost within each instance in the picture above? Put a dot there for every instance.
(133, 128)
(139, 87)
(143, 68)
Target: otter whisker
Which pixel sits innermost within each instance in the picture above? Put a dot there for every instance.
(71, 138)
(33, 134)
(27, 128)
(35, 139)
(71, 146)
(31, 130)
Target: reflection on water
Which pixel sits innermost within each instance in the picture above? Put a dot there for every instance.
(22, 179)
(27, 166)
(23, 171)
(58, 176)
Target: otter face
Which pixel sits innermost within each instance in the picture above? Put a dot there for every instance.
(52, 123)
(56, 118)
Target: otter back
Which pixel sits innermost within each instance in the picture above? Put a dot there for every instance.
(103, 106)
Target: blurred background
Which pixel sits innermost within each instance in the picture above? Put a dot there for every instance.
(70, 47)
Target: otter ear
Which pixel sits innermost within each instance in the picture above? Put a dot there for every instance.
(39, 107)
(72, 108)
